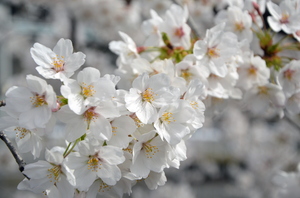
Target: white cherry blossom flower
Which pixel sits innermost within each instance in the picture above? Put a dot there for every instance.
(284, 17)
(289, 77)
(172, 122)
(253, 70)
(93, 162)
(122, 129)
(216, 49)
(149, 93)
(59, 63)
(33, 104)
(151, 28)
(260, 97)
(28, 140)
(237, 21)
(88, 85)
(46, 175)
(149, 154)
(126, 49)
(174, 25)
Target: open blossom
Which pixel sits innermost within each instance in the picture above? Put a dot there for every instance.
(174, 25)
(260, 97)
(88, 85)
(289, 77)
(284, 17)
(149, 93)
(237, 21)
(33, 104)
(216, 49)
(151, 29)
(93, 162)
(94, 120)
(28, 140)
(172, 122)
(59, 63)
(149, 154)
(126, 49)
(252, 71)
(50, 175)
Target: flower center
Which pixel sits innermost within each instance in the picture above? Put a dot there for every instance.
(38, 100)
(21, 132)
(285, 18)
(87, 91)
(55, 172)
(288, 74)
(179, 32)
(213, 52)
(104, 187)
(186, 74)
(94, 163)
(90, 115)
(252, 70)
(149, 149)
(239, 26)
(58, 63)
(263, 90)
(167, 117)
(148, 95)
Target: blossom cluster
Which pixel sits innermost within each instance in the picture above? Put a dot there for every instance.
(128, 127)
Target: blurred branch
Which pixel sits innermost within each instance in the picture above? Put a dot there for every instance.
(14, 152)
(191, 23)
(291, 121)
(2, 103)
(11, 147)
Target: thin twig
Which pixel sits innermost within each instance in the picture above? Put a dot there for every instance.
(14, 152)
(11, 147)
(191, 23)
(2, 103)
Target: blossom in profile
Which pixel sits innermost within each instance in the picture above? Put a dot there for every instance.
(59, 63)
(176, 28)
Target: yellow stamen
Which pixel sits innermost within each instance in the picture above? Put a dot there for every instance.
(186, 74)
(167, 117)
(149, 149)
(21, 132)
(104, 187)
(148, 95)
(213, 52)
(38, 100)
(87, 91)
(239, 26)
(252, 70)
(94, 163)
(55, 173)
(263, 90)
(58, 63)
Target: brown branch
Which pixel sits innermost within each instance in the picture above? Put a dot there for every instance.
(11, 147)
(2, 103)
(14, 152)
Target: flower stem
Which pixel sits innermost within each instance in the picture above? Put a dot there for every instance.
(67, 152)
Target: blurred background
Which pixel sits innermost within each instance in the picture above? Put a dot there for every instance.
(235, 155)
